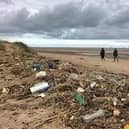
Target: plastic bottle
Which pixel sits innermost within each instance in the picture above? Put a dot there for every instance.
(99, 113)
(39, 88)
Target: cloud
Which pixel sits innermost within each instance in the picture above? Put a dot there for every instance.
(121, 18)
(6, 1)
(64, 16)
(75, 20)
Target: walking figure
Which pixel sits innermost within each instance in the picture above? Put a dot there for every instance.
(115, 55)
(102, 53)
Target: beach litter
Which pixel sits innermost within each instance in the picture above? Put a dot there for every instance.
(80, 90)
(93, 84)
(75, 92)
(5, 90)
(99, 77)
(40, 87)
(116, 112)
(80, 99)
(115, 101)
(42, 95)
(98, 114)
(123, 99)
(65, 66)
(41, 74)
(72, 118)
(36, 66)
(50, 65)
(126, 126)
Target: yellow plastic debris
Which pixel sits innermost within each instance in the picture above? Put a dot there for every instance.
(126, 126)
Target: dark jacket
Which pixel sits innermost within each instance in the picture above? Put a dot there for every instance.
(102, 53)
(115, 53)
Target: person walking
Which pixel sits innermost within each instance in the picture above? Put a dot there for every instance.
(115, 55)
(102, 54)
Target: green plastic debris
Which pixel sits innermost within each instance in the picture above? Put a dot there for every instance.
(80, 99)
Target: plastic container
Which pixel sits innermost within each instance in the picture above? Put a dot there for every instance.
(99, 113)
(39, 88)
(36, 66)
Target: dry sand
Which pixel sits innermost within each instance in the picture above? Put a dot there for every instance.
(20, 112)
(95, 62)
(16, 74)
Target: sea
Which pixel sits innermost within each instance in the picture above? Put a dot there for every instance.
(71, 43)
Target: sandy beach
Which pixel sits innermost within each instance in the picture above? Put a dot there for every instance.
(64, 64)
(90, 58)
(79, 84)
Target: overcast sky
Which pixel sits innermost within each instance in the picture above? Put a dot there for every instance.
(65, 19)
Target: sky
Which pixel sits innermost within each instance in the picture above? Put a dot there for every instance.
(64, 19)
